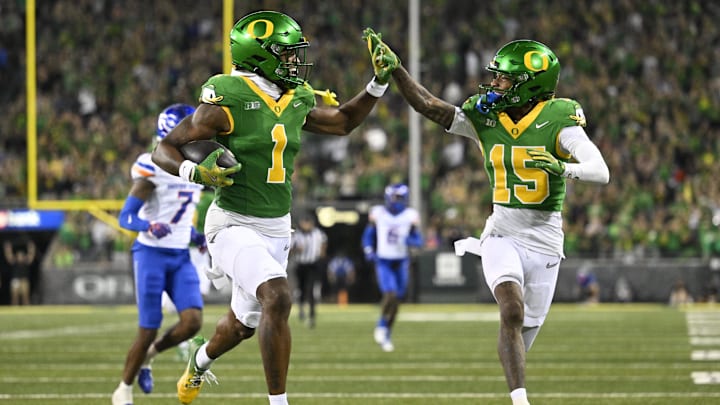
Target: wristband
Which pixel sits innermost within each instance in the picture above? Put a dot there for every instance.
(186, 170)
(376, 89)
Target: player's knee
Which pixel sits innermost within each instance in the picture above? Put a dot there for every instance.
(238, 329)
(191, 321)
(512, 313)
(275, 298)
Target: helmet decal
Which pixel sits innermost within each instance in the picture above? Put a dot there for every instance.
(170, 117)
(531, 62)
(269, 28)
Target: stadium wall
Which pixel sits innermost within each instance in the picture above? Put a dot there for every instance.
(437, 277)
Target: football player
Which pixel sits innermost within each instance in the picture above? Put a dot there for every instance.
(392, 228)
(160, 207)
(532, 142)
(259, 111)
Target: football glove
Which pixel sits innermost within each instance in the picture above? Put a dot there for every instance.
(198, 239)
(159, 229)
(384, 60)
(210, 174)
(544, 160)
(369, 254)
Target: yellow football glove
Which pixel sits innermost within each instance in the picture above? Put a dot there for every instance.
(544, 160)
(384, 60)
(210, 174)
(328, 97)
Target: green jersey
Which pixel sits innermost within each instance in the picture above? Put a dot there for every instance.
(265, 136)
(504, 145)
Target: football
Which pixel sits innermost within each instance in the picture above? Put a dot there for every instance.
(197, 151)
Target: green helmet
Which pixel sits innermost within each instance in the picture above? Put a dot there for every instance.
(533, 68)
(272, 45)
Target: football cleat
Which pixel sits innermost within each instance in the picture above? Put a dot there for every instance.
(145, 380)
(122, 396)
(182, 351)
(188, 386)
(380, 335)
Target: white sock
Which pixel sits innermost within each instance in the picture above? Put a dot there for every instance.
(201, 358)
(519, 396)
(124, 386)
(280, 399)
(149, 356)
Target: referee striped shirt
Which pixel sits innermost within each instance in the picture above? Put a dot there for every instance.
(308, 245)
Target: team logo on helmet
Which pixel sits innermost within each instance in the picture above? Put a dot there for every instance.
(170, 117)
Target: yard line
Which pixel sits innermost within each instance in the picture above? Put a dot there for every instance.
(391, 395)
(64, 331)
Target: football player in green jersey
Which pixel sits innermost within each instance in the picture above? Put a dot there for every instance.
(259, 112)
(532, 143)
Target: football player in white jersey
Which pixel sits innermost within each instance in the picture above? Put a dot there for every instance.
(160, 207)
(391, 230)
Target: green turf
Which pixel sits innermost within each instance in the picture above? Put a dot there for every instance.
(445, 354)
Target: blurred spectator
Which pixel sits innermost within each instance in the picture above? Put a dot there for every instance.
(645, 73)
(341, 275)
(20, 254)
(679, 294)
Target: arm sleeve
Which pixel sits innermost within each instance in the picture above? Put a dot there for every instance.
(368, 238)
(129, 218)
(414, 237)
(591, 165)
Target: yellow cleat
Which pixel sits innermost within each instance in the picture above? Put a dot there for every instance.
(188, 386)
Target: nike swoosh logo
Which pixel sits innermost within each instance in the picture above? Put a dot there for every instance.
(551, 265)
(538, 126)
(297, 104)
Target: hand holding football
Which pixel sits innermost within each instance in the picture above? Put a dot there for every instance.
(197, 151)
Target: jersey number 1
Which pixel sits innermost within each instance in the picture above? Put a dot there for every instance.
(276, 173)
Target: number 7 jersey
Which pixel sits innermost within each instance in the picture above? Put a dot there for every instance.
(265, 137)
(172, 202)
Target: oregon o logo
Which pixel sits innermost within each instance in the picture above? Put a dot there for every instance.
(536, 56)
(269, 27)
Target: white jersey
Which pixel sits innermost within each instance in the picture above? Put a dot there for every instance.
(392, 231)
(172, 202)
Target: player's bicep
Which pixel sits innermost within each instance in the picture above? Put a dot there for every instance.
(326, 120)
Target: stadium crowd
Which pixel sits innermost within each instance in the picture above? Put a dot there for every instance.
(647, 74)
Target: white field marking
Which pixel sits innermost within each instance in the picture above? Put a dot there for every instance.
(705, 341)
(706, 377)
(705, 355)
(449, 316)
(704, 330)
(382, 366)
(64, 331)
(377, 378)
(391, 395)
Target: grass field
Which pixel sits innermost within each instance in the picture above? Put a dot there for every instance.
(445, 354)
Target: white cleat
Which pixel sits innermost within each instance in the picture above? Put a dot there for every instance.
(380, 335)
(387, 346)
(122, 396)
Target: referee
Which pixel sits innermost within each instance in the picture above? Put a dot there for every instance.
(309, 245)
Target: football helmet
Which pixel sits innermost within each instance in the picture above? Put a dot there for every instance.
(170, 117)
(272, 45)
(396, 198)
(533, 68)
